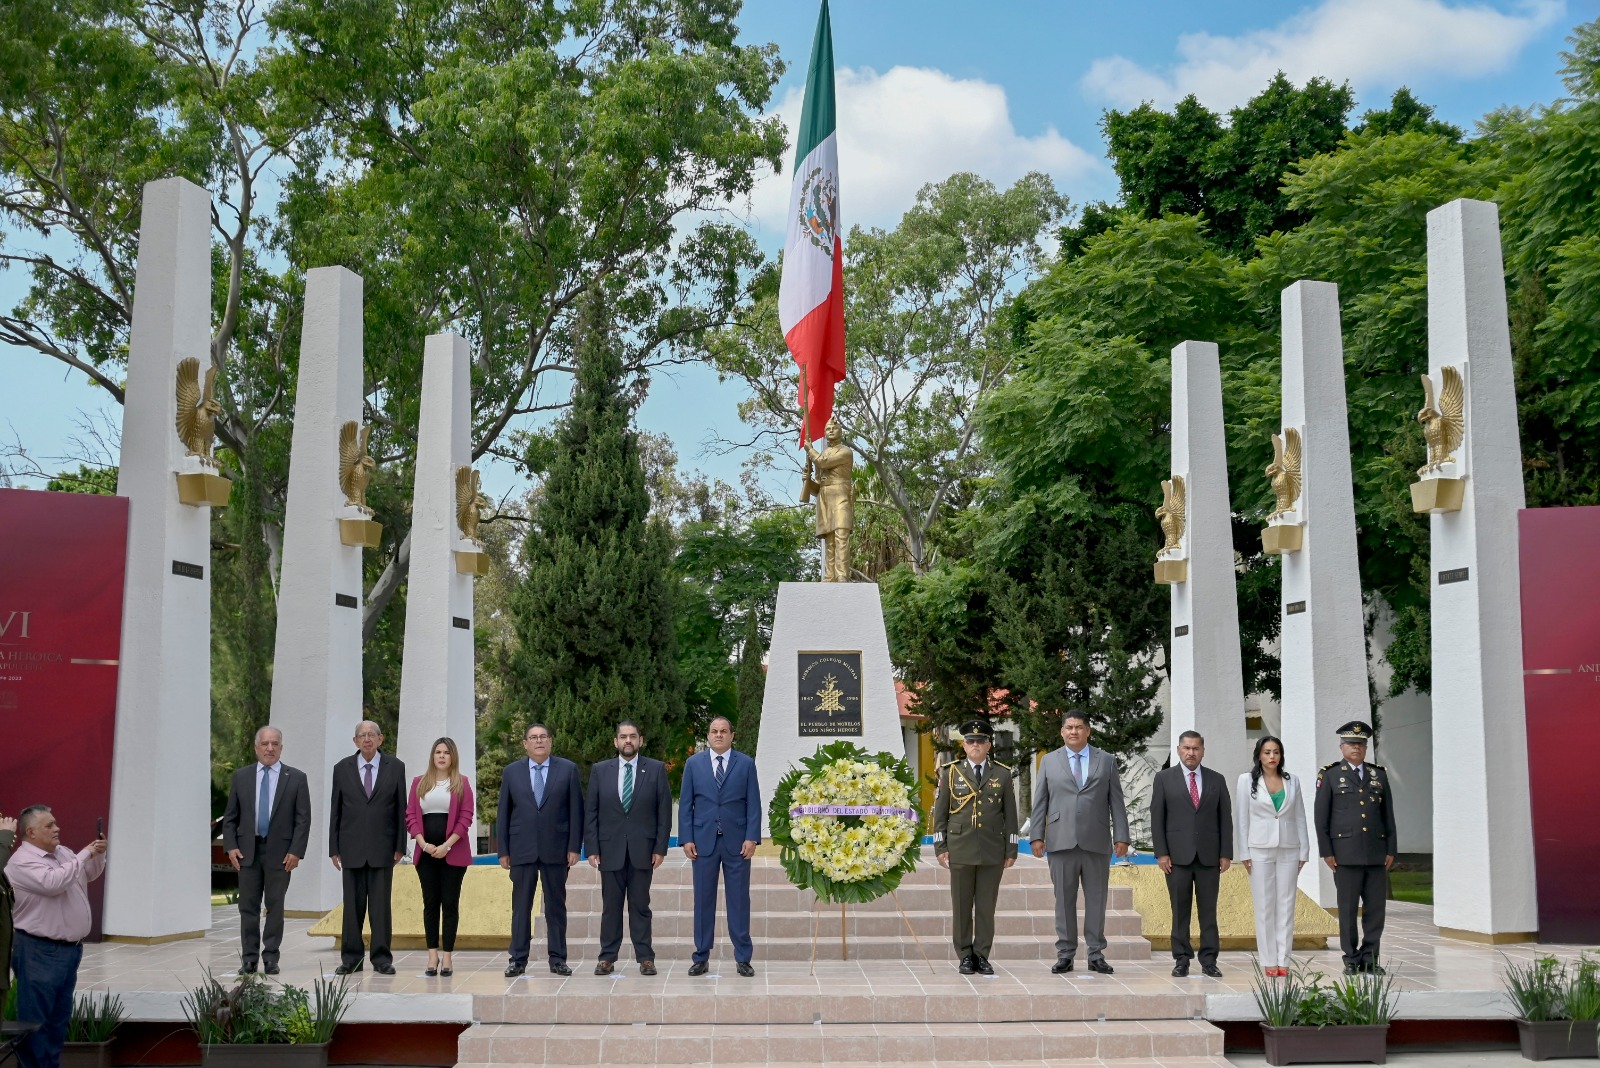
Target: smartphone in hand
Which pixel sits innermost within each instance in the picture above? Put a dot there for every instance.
(100, 827)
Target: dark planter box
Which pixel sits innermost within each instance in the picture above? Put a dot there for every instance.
(86, 1054)
(1326, 1045)
(1545, 1040)
(265, 1055)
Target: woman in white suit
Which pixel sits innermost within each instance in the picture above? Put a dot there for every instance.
(1274, 844)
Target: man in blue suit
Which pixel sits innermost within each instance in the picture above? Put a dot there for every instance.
(719, 822)
(540, 831)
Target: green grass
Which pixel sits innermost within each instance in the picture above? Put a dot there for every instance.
(1414, 886)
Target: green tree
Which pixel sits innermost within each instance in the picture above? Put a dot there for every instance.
(594, 612)
(1191, 162)
(752, 686)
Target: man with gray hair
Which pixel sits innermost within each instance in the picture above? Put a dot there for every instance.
(366, 839)
(51, 916)
(264, 829)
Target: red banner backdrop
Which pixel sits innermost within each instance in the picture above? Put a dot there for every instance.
(1561, 679)
(62, 558)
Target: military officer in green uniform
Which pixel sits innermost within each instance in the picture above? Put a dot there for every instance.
(1356, 838)
(975, 836)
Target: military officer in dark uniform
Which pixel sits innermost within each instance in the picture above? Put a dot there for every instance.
(1356, 837)
(975, 836)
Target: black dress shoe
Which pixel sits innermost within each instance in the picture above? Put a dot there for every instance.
(984, 967)
(513, 970)
(969, 966)
(1211, 971)
(647, 967)
(1180, 969)
(559, 969)
(348, 969)
(383, 969)
(699, 968)
(1351, 969)
(431, 973)
(445, 973)
(1098, 964)
(1061, 966)
(605, 967)
(247, 969)
(745, 969)
(1376, 969)
(270, 969)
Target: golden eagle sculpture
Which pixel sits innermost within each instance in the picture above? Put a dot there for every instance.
(355, 466)
(197, 409)
(1443, 418)
(467, 502)
(1174, 500)
(1284, 471)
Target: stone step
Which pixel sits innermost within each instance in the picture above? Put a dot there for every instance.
(935, 925)
(865, 1043)
(768, 871)
(950, 996)
(878, 947)
(584, 896)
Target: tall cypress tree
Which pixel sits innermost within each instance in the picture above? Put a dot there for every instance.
(594, 611)
(752, 688)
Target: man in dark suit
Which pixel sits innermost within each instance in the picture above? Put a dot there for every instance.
(540, 831)
(1356, 838)
(264, 830)
(1191, 826)
(719, 823)
(629, 821)
(366, 838)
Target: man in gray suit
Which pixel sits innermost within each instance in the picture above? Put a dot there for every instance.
(265, 830)
(629, 822)
(1077, 816)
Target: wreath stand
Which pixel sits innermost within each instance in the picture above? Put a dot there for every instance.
(844, 942)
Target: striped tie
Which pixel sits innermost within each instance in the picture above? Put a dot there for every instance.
(627, 787)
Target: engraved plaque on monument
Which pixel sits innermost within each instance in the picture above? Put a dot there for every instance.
(830, 693)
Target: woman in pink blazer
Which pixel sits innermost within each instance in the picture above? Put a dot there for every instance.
(439, 817)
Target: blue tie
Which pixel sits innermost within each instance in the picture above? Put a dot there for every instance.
(721, 774)
(263, 805)
(538, 785)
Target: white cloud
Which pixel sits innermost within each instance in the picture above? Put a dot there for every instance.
(1370, 43)
(900, 130)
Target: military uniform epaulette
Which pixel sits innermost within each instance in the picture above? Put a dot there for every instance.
(1008, 767)
(1326, 768)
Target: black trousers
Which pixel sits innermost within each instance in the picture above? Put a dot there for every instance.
(525, 879)
(632, 885)
(1185, 884)
(366, 891)
(1363, 887)
(441, 899)
(261, 878)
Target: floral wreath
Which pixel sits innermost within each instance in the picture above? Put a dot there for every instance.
(846, 823)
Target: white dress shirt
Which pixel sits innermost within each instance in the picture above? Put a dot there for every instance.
(1195, 777)
(621, 773)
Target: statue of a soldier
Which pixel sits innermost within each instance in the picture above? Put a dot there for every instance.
(828, 480)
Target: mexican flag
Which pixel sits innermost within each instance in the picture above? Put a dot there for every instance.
(811, 296)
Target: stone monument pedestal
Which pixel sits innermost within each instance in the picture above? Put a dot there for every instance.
(837, 629)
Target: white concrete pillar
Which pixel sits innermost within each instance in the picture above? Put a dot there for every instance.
(1483, 876)
(1207, 676)
(436, 674)
(1322, 646)
(158, 881)
(316, 676)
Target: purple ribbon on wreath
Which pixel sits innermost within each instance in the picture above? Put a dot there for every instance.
(853, 810)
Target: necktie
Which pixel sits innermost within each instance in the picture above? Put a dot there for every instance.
(1077, 768)
(366, 778)
(627, 787)
(721, 774)
(538, 785)
(1194, 789)
(977, 771)
(263, 805)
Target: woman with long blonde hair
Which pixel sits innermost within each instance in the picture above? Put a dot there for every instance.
(439, 817)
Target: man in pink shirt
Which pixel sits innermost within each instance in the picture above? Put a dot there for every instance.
(51, 918)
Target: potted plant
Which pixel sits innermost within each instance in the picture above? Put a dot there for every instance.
(256, 1022)
(1557, 1006)
(1305, 1019)
(95, 1016)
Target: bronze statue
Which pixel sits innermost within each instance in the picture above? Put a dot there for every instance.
(1171, 514)
(1443, 418)
(1284, 471)
(355, 466)
(197, 409)
(828, 479)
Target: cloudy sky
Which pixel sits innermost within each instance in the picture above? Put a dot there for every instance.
(930, 87)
